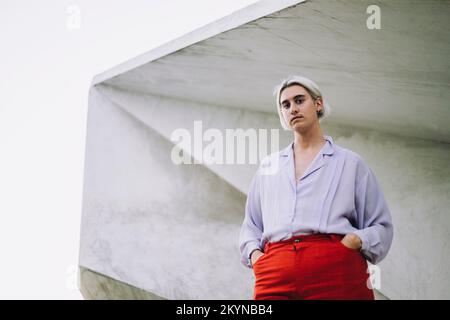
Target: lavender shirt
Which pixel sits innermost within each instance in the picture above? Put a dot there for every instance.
(338, 193)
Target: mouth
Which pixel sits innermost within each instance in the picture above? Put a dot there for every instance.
(296, 118)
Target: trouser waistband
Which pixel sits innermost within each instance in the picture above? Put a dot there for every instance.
(333, 237)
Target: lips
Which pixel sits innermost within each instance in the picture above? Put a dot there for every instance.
(297, 117)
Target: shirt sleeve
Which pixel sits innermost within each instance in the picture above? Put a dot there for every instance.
(252, 226)
(374, 218)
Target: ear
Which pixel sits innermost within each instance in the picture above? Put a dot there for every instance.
(319, 105)
(318, 102)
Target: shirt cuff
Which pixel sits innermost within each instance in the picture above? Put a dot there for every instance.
(362, 234)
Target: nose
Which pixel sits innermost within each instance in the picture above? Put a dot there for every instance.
(294, 108)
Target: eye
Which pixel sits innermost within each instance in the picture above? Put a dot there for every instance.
(298, 101)
(286, 105)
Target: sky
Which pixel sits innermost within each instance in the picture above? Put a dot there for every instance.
(50, 52)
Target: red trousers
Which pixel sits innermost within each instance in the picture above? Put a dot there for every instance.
(315, 266)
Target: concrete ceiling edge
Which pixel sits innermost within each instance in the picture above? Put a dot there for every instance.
(250, 13)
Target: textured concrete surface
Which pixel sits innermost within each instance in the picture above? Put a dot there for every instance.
(96, 286)
(173, 230)
(165, 228)
(395, 79)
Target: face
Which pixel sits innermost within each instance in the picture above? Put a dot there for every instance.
(298, 107)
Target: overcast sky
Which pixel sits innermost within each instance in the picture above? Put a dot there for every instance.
(50, 51)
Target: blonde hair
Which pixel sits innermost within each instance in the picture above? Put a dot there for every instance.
(313, 90)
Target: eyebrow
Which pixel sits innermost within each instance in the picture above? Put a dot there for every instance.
(296, 96)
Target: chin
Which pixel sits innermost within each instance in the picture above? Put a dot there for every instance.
(299, 127)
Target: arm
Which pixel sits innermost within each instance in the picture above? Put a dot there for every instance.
(374, 218)
(252, 226)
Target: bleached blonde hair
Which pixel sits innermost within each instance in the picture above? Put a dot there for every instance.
(313, 90)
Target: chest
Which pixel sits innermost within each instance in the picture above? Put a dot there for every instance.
(302, 163)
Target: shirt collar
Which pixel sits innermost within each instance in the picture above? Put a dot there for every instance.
(328, 149)
(287, 155)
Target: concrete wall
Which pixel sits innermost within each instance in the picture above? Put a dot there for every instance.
(164, 228)
(172, 230)
(414, 175)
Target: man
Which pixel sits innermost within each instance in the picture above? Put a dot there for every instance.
(310, 228)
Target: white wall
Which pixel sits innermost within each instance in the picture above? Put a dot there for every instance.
(173, 230)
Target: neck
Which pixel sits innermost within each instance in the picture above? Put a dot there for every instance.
(309, 139)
